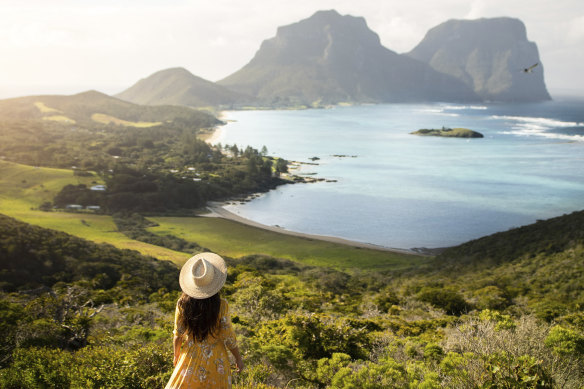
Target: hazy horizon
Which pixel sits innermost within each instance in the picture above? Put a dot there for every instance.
(67, 46)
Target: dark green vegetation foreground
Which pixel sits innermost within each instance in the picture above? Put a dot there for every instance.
(504, 311)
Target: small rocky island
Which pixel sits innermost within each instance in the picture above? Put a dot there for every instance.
(449, 133)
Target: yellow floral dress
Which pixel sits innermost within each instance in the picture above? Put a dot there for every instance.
(204, 364)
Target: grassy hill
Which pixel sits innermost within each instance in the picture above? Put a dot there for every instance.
(24, 188)
(33, 256)
(546, 237)
(178, 86)
(81, 108)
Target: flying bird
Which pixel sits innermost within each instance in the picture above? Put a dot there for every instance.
(530, 69)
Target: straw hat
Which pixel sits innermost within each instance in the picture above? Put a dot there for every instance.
(203, 275)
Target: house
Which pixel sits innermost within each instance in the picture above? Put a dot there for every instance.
(98, 187)
(74, 207)
(93, 207)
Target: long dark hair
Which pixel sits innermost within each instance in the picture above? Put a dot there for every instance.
(200, 317)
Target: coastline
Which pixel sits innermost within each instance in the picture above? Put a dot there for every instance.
(216, 209)
(215, 135)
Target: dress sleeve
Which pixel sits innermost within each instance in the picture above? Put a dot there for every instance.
(178, 328)
(227, 333)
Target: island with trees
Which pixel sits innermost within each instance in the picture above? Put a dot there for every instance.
(449, 133)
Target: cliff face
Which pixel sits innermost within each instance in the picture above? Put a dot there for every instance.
(178, 86)
(488, 55)
(329, 58)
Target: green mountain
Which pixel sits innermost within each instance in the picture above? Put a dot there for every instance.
(178, 86)
(329, 58)
(94, 108)
(491, 56)
(546, 237)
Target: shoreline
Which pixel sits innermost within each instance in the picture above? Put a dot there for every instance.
(216, 209)
(215, 135)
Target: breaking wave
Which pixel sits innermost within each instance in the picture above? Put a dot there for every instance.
(542, 127)
(460, 107)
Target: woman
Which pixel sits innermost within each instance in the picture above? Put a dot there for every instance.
(202, 327)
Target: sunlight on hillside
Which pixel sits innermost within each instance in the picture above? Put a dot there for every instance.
(44, 109)
(236, 240)
(107, 119)
(60, 119)
(24, 188)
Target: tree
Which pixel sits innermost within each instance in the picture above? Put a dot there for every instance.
(281, 166)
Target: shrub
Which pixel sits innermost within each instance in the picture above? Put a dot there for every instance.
(433, 352)
(564, 341)
(444, 298)
(37, 368)
(496, 356)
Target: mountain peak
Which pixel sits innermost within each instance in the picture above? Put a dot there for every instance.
(326, 14)
(330, 58)
(178, 86)
(323, 26)
(489, 55)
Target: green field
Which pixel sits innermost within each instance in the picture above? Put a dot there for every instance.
(235, 240)
(24, 188)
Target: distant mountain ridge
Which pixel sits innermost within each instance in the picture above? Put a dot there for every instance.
(488, 55)
(89, 108)
(178, 86)
(330, 58)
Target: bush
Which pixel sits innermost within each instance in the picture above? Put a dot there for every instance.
(502, 356)
(565, 341)
(38, 368)
(444, 298)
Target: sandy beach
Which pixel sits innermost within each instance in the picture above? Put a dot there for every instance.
(216, 209)
(215, 136)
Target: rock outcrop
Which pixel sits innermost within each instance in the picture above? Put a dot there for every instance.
(329, 58)
(491, 56)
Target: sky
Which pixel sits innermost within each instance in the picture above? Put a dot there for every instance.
(70, 46)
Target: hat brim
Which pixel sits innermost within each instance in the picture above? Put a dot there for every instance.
(187, 282)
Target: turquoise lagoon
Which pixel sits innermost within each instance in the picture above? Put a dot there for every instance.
(399, 190)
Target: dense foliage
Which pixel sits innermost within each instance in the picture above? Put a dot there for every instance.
(32, 257)
(159, 166)
(501, 311)
(298, 326)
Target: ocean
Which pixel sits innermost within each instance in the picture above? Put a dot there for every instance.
(398, 190)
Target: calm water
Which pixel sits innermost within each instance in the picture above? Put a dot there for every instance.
(406, 191)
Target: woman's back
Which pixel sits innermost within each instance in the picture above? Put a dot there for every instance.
(202, 327)
(204, 363)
